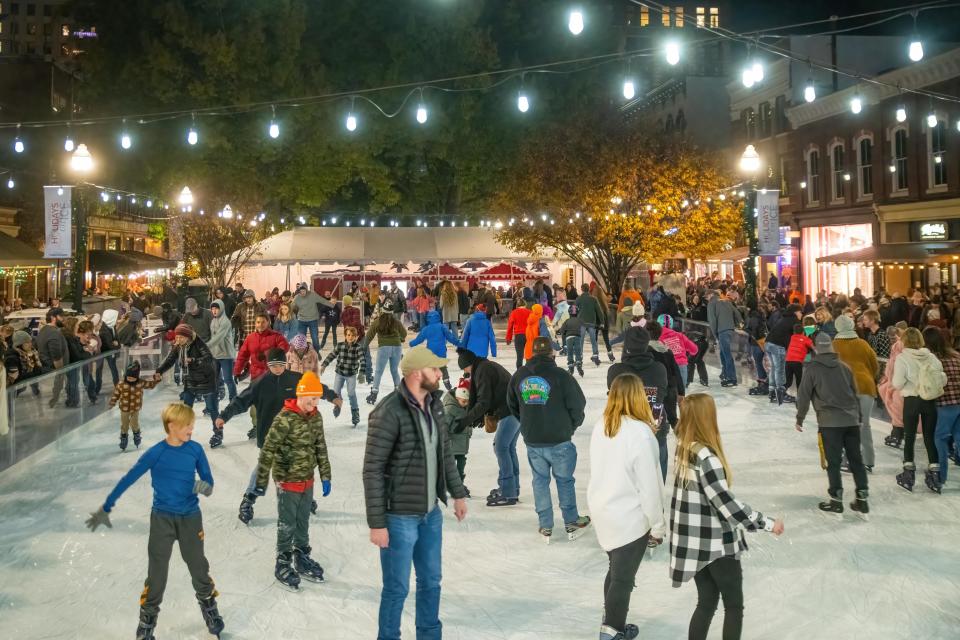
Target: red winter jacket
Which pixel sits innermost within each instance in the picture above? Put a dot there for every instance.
(254, 350)
(517, 323)
(799, 345)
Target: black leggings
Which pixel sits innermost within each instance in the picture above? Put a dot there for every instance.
(793, 370)
(723, 577)
(624, 563)
(915, 411)
(604, 332)
(520, 343)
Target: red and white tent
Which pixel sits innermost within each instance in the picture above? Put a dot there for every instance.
(507, 271)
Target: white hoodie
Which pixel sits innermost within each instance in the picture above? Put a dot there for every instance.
(625, 493)
(906, 369)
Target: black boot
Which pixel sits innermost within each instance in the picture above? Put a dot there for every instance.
(355, 417)
(860, 504)
(211, 615)
(307, 567)
(932, 478)
(895, 438)
(147, 624)
(137, 439)
(284, 572)
(123, 442)
(833, 504)
(246, 507)
(907, 477)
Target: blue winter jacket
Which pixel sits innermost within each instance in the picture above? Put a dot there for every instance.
(478, 336)
(436, 334)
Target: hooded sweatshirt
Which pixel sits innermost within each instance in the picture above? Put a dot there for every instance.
(517, 322)
(107, 332)
(478, 335)
(906, 370)
(828, 383)
(857, 354)
(436, 335)
(547, 400)
(679, 344)
(638, 360)
(532, 330)
(220, 342)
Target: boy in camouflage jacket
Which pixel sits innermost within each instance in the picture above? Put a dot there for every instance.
(129, 393)
(294, 447)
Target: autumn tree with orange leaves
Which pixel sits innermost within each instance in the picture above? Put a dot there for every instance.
(608, 196)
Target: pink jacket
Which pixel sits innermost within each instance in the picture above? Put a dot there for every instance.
(309, 361)
(891, 396)
(421, 304)
(679, 344)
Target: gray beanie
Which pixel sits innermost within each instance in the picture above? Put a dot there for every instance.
(20, 338)
(823, 343)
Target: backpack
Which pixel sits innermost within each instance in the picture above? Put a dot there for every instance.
(931, 379)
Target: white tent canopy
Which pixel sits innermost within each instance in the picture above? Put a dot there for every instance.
(344, 245)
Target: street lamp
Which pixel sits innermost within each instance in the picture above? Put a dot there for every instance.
(81, 164)
(750, 165)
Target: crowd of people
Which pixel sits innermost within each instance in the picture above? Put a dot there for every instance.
(418, 435)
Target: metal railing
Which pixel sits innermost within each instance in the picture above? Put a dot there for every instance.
(44, 408)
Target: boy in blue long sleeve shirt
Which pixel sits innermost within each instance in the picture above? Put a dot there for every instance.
(174, 464)
(437, 335)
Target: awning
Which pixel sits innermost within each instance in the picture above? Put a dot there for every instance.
(124, 262)
(506, 271)
(913, 253)
(16, 253)
(731, 255)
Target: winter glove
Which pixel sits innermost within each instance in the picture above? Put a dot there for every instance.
(204, 487)
(326, 487)
(260, 491)
(362, 378)
(237, 379)
(97, 519)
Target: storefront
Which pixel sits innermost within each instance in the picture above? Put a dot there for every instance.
(822, 274)
(931, 227)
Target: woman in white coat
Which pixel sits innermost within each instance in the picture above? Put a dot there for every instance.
(625, 496)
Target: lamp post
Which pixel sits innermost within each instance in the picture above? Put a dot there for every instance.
(81, 164)
(750, 165)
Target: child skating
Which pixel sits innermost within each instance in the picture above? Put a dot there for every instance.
(437, 335)
(294, 447)
(129, 394)
(351, 365)
(454, 411)
(174, 464)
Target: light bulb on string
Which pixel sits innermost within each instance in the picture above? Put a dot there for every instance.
(59, 191)
(149, 204)
(629, 89)
(68, 144)
(931, 120)
(856, 104)
(901, 113)
(421, 110)
(523, 103)
(757, 69)
(747, 77)
(672, 52)
(351, 122)
(810, 92)
(958, 125)
(18, 145)
(192, 137)
(915, 50)
(10, 183)
(575, 22)
(274, 129)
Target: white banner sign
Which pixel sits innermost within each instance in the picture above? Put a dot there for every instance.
(57, 219)
(768, 222)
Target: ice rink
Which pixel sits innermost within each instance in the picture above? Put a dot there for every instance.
(897, 576)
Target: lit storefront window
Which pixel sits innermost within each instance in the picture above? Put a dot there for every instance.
(826, 241)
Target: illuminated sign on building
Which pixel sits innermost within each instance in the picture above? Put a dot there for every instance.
(933, 231)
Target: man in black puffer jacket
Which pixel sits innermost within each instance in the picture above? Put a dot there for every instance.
(638, 360)
(408, 466)
(550, 405)
(488, 404)
(199, 374)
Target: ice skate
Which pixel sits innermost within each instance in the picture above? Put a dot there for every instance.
(545, 534)
(860, 505)
(789, 399)
(246, 508)
(252, 434)
(355, 417)
(610, 355)
(595, 360)
(932, 478)
(500, 501)
(629, 632)
(211, 616)
(833, 504)
(307, 567)
(907, 477)
(137, 439)
(580, 370)
(372, 398)
(570, 369)
(123, 442)
(147, 624)
(577, 528)
(762, 389)
(493, 494)
(285, 574)
(895, 439)
(217, 438)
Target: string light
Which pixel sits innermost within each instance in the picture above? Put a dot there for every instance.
(810, 92)
(932, 120)
(18, 145)
(747, 77)
(274, 129)
(901, 113)
(59, 191)
(105, 196)
(523, 103)
(149, 204)
(856, 105)
(575, 22)
(351, 122)
(916, 47)
(68, 145)
(192, 137)
(672, 51)
(421, 110)
(757, 69)
(629, 89)
(10, 183)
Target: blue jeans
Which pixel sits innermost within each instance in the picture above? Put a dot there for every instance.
(683, 372)
(589, 330)
(351, 382)
(728, 371)
(574, 351)
(505, 448)
(312, 326)
(98, 378)
(453, 328)
(948, 426)
(778, 365)
(421, 319)
(392, 356)
(415, 540)
(225, 371)
(561, 459)
(212, 405)
(757, 354)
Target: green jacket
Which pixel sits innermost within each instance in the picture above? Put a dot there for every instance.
(294, 447)
(386, 339)
(588, 310)
(452, 413)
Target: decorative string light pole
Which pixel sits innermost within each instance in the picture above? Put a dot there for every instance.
(749, 166)
(81, 164)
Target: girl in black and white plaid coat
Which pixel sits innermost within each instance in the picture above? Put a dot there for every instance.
(707, 521)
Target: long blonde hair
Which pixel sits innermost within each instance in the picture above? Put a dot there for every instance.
(627, 399)
(448, 296)
(698, 425)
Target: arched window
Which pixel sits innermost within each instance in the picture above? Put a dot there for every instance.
(838, 170)
(937, 154)
(898, 166)
(813, 175)
(863, 146)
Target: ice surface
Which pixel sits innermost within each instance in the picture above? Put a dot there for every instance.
(894, 577)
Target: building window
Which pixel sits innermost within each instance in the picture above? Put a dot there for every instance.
(865, 166)
(937, 156)
(714, 17)
(1, 25)
(813, 177)
(766, 120)
(2, 47)
(784, 177)
(701, 20)
(749, 120)
(47, 10)
(644, 16)
(31, 9)
(99, 242)
(65, 30)
(678, 17)
(14, 8)
(31, 28)
(899, 143)
(837, 169)
(665, 17)
(47, 29)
